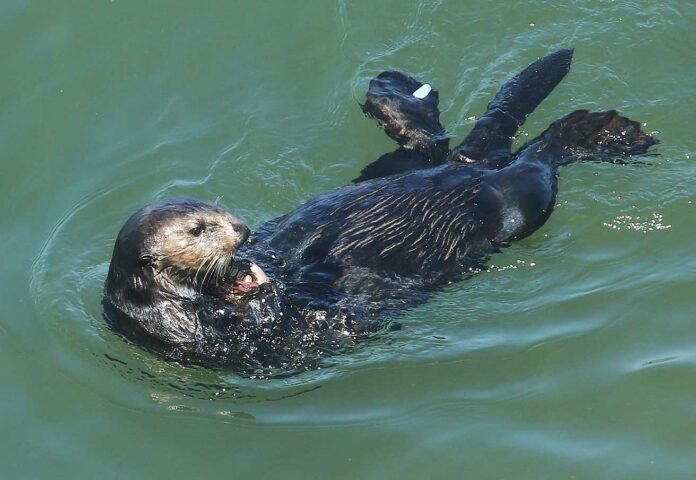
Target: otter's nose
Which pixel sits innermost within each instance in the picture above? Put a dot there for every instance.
(237, 233)
(243, 232)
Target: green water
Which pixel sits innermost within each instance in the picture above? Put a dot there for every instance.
(573, 358)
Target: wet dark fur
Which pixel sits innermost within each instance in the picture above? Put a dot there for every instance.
(344, 263)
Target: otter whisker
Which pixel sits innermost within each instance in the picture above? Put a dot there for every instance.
(205, 260)
(215, 270)
(205, 275)
(212, 263)
(195, 276)
(225, 266)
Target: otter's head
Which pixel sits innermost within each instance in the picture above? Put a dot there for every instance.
(174, 246)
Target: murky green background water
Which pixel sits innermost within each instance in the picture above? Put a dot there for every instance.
(574, 358)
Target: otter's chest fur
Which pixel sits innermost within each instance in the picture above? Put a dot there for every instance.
(429, 224)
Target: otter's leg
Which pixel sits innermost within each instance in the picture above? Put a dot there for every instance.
(407, 111)
(399, 161)
(598, 136)
(525, 190)
(491, 138)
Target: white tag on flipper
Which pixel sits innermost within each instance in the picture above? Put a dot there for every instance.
(423, 91)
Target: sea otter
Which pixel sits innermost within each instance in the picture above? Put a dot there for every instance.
(185, 282)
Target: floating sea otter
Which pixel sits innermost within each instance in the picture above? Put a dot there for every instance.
(337, 268)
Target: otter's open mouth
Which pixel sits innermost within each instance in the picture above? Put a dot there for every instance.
(249, 280)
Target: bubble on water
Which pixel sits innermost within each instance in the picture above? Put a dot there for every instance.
(638, 223)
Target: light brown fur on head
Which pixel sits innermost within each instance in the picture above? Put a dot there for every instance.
(183, 242)
(199, 244)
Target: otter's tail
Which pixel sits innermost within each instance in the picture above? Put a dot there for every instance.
(597, 136)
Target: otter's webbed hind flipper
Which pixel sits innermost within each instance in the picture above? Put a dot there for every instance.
(601, 136)
(490, 140)
(407, 111)
(594, 136)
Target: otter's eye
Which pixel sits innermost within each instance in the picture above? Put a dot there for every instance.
(198, 229)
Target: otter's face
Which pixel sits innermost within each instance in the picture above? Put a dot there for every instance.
(183, 241)
(197, 238)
